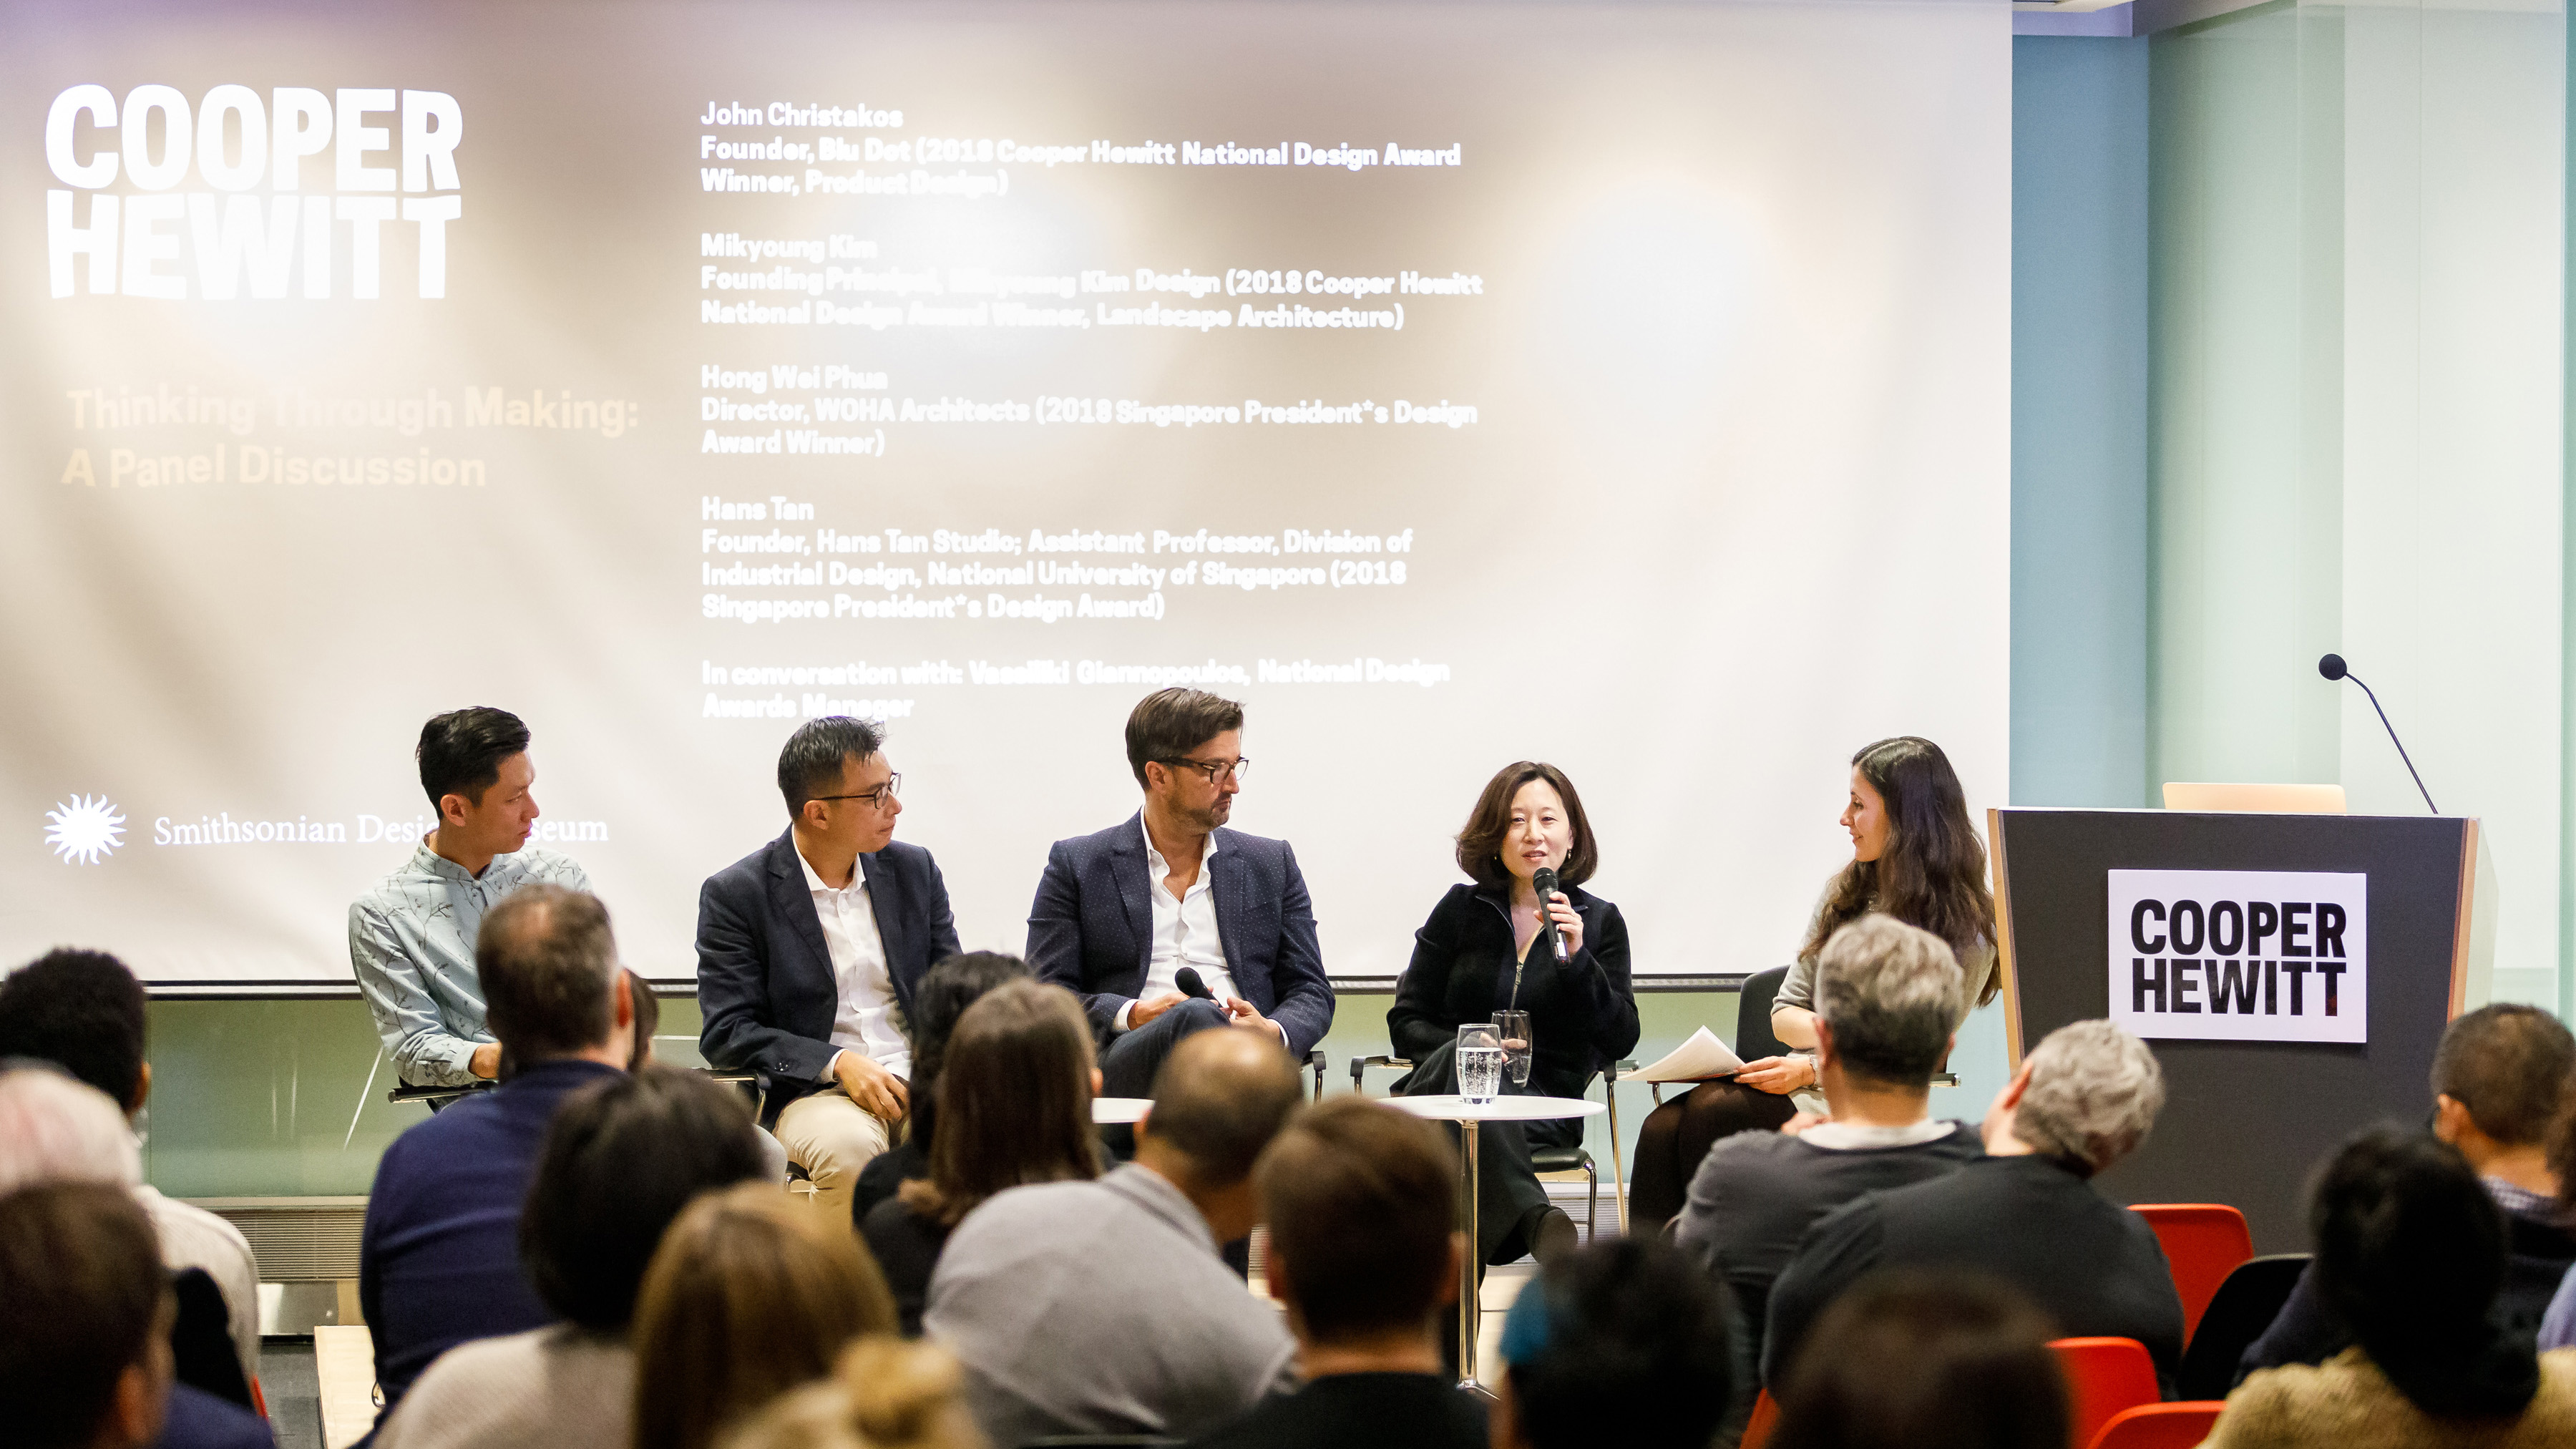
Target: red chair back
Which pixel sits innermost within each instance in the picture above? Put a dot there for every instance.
(2103, 1377)
(2160, 1426)
(1766, 1415)
(2203, 1243)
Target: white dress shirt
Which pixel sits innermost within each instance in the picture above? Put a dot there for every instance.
(864, 1021)
(1185, 931)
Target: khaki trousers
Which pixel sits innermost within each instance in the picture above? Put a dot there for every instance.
(832, 1137)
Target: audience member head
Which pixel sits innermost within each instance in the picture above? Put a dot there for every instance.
(946, 990)
(648, 1020)
(750, 1294)
(1915, 853)
(551, 983)
(1491, 831)
(886, 1393)
(1361, 1200)
(1221, 1097)
(1887, 996)
(620, 1160)
(84, 1012)
(2086, 1096)
(2410, 1255)
(1014, 1101)
(84, 1319)
(1929, 1361)
(474, 767)
(53, 1129)
(2499, 1080)
(1624, 1331)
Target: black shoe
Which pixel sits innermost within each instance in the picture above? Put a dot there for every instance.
(1551, 1234)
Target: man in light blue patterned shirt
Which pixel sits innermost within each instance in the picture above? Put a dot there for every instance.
(411, 938)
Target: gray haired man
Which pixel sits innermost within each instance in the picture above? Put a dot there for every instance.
(2026, 1213)
(1886, 994)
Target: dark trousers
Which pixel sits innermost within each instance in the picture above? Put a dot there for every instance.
(1134, 1058)
(1676, 1137)
(1507, 1187)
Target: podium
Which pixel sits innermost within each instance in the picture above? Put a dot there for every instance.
(2150, 914)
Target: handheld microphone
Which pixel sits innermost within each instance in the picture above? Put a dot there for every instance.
(2332, 667)
(1192, 984)
(1545, 883)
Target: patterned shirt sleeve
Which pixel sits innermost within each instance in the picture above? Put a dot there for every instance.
(407, 1019)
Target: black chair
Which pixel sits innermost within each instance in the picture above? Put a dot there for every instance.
(437, 1097)
(1753, 1038)
(2244, 1305)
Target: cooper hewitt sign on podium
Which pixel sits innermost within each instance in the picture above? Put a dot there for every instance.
(2237, 955)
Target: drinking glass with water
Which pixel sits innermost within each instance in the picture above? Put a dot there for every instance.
(1480, 1063)
(1514, 1029)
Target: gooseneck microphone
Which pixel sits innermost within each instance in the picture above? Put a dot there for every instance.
(1192, 984)
(2332, 667)
(1545, 883)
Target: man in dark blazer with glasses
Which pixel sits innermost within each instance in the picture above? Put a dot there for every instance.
(1121, 915)
(808, 952)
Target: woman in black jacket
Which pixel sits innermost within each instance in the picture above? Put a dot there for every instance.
(1481, 952)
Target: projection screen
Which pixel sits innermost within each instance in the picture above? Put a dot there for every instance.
(1624, 386)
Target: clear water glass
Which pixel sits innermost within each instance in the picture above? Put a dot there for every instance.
(1480, 1063)
(1513, 1027)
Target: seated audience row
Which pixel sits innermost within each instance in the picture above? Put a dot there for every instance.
(82, 1274)
(83, 1011)
(2499, 1077)
(2412, 1257)
(1014, 1109)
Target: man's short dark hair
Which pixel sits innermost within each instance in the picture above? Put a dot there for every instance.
(548, 965)
(1220, 1097)
(461, 751)
(1169, 723)
(619, 1162)
(1915, 1357)
(82, 1011)
(2508, 1064)
(81, 1278)
(810, 763)
(1361, 1199)
(1627, 1332)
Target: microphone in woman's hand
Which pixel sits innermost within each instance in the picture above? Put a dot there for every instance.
(1192, 984)
(1545, 883)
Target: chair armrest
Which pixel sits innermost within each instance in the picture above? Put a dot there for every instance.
(1611, 1072)
(405, 1093)
(1316, 1060)
(1360, 1066)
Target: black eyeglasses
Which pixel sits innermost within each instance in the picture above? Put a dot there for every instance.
(877, 797)
(1215, 769)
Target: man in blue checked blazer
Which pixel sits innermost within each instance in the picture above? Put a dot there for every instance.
(1121, 914)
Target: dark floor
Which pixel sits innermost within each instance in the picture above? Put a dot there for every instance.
(294, 1394)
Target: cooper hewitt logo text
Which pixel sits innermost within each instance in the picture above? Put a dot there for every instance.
(2240, 955)
(215, 199)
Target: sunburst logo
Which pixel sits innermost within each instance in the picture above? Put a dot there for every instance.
(85, 829)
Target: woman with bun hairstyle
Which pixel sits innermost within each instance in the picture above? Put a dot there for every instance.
(1916, 856)
(1480, 952)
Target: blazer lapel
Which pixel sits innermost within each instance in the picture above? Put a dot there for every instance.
(885, 902)
(1230, 881)
(791, 900)
(1128, 865)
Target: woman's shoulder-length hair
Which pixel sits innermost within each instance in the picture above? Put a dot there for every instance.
(1480, 843)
